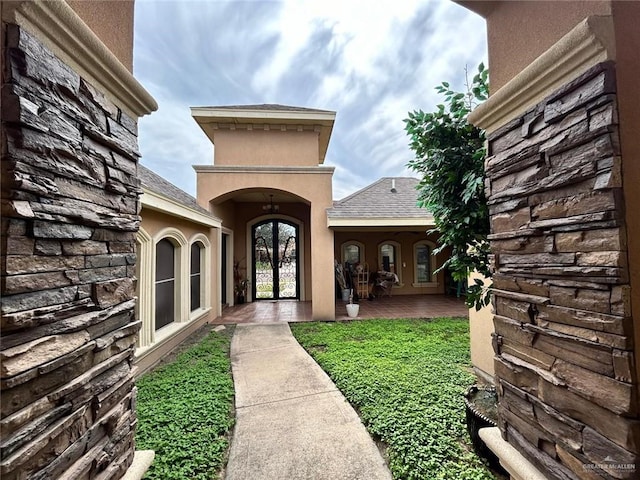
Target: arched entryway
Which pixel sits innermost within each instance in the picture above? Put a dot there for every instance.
(275, 259)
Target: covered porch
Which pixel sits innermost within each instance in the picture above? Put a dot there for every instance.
(401, 306)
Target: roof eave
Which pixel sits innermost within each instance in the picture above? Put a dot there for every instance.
(155, 201)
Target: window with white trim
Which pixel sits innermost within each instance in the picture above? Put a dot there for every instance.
(423, 263)
(353, 252)
(196, 276)
(165, 283)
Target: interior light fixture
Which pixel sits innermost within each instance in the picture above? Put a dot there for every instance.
(270, 207)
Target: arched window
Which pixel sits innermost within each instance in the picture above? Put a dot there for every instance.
(165, 283)
(196, 276)
(423, 263)
(389, 258)
(353, 252)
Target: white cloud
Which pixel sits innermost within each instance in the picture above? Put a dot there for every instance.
(372, 62)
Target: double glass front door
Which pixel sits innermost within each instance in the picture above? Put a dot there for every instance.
(275, 260)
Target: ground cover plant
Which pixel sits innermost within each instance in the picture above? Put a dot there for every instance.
(185, 411)
(406, 378)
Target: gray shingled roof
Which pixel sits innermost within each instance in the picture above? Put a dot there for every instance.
(159, 185)
(377, 200)
(269, 106)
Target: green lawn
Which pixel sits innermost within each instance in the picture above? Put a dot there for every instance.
(185, 412)
(406, 378)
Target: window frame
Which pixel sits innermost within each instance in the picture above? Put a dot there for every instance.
(397, 260)
(432, 264)
(360, 245)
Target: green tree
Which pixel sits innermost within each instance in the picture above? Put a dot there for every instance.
(450, 157)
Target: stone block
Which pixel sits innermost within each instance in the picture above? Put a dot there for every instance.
(595, 336)
(619, 397)
(516, 375)
(530, 355)
(511, 221)
(621, 300)
(122, 247)
(603, 258)
(33, 300)
(535, 259)
(113, 292)
(560, 427)
(598, 322)
(512, 330)
(35, 282)
(580, 95)
(624, 366)
(19, 245)
(92, 275)
(29, 355)
(516, 310)
(43, 229)
(589, 355)
(21, 264)
(581, 299)
(590, 202)
(84, 247)
(47, 247)
(530, 286)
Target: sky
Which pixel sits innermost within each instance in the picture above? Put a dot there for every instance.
(370, 61)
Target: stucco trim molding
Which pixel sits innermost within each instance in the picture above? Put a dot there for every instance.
(589, 43)
(320, 169)
(63, 31)
(333, 222)
(160, 203)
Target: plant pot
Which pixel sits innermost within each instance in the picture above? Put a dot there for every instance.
(240, 299)
(353, 309)
(480, 412)
(345, 294)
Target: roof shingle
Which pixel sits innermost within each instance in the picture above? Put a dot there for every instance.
(159, 185)
(378, 200)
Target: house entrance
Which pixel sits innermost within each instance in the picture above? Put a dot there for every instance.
(275, 260)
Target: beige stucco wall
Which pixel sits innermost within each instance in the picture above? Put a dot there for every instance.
(310, 187)
(154, 222)
(112, 22)
(371, 241)
(518, 32)
(480, 330)
(266, 148)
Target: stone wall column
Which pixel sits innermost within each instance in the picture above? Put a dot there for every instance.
(564, 333)
(69, 221)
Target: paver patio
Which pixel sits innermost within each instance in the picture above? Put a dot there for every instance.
(399, 306)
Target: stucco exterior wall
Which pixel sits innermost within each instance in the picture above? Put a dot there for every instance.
(311, 185)
(266, 148)
(518, 32)
(112, 22)
(371, 241)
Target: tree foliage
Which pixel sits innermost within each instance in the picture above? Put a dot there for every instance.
(450, 156)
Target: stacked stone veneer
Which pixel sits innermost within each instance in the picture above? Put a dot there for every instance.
(563, 330)
(69, 217)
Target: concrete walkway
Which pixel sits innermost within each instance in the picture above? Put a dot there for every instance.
(292, 423)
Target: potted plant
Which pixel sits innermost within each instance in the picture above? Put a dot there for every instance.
(241, 290)
(240, 283)
(352, 308)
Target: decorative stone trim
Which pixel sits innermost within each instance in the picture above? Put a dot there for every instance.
(63, 31)
(519, 468)
(142, 460)
(589, 43)
(205, 274)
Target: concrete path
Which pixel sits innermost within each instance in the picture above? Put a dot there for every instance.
(292, 423)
